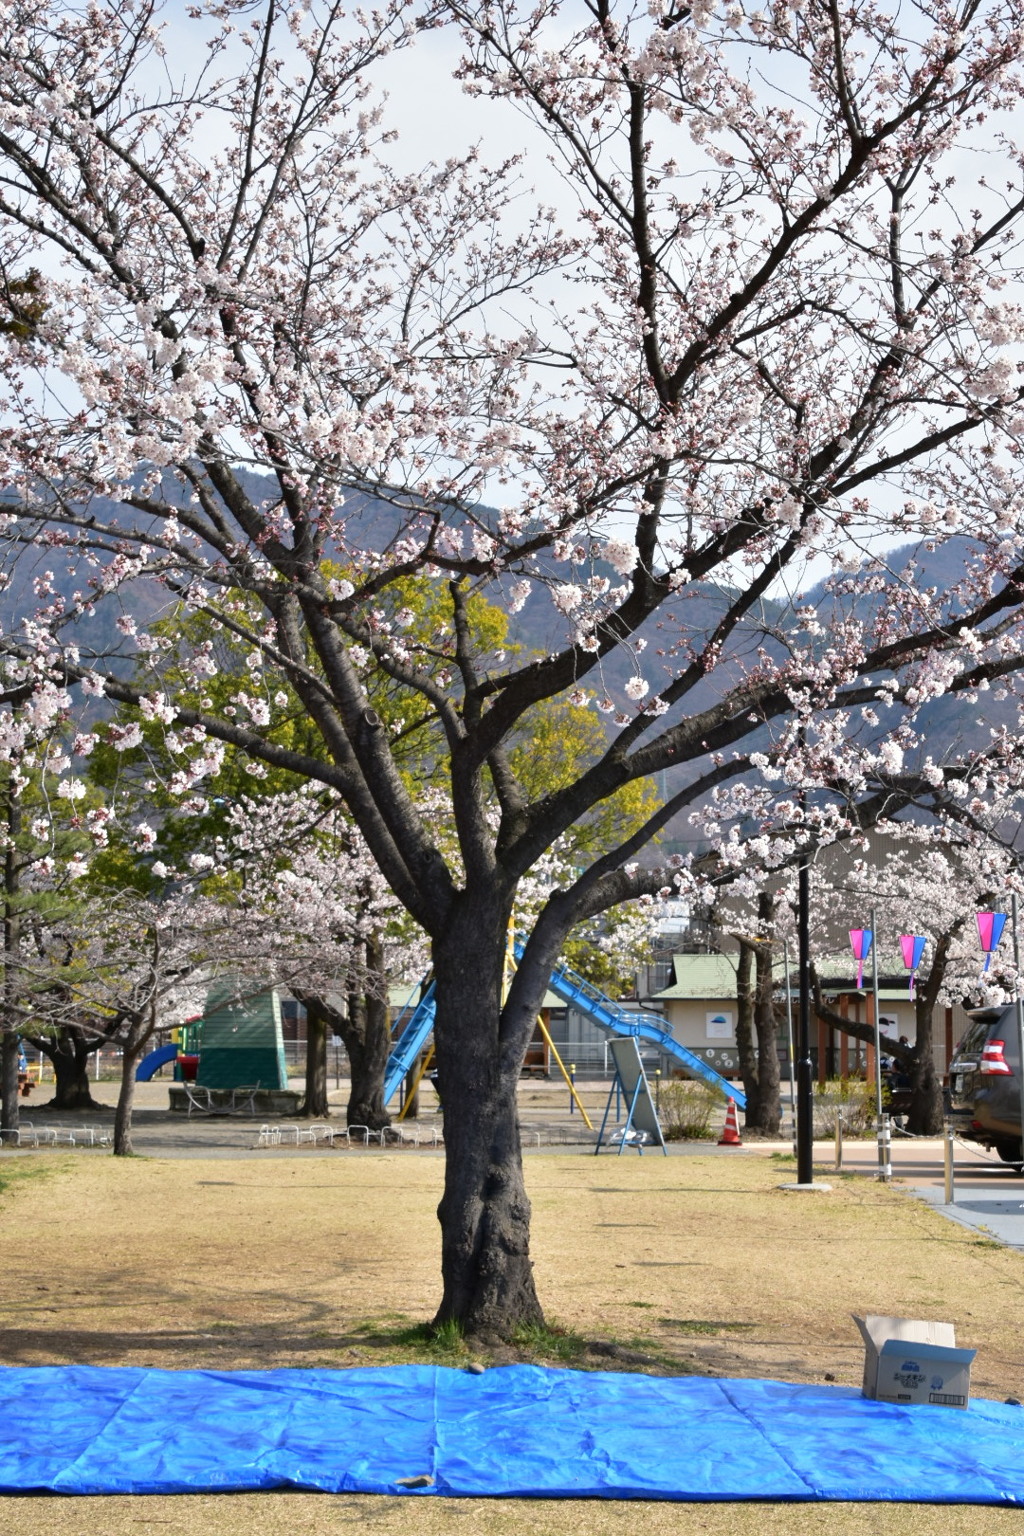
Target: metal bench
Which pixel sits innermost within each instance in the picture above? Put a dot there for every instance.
(243, 1099)
(221, 1101)
(202, 1101)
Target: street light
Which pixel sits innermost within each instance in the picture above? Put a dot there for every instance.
(804, 1066)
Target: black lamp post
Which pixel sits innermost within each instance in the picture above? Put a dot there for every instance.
(804, 1067)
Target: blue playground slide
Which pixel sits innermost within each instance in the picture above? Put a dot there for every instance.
(617, 1020)
(154, 1061)
(412, 1037)
(581, 994)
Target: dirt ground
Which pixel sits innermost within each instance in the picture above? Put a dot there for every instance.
(295, 1259)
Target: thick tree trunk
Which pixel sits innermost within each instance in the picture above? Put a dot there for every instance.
(924, 1117)
(484, 1211)
(368, 1043)
(926, 1111)
(69, 1052)
(756, 1024)
(9, 1101)
(369, 1047)
(315, 1104)
(769, 1103)
(364, 1029)
(745, 1047)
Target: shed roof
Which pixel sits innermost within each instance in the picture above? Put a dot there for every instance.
(714, 977)
(837, 977)
(710, 976)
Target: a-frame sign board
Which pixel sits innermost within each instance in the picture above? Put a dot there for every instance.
(631, 1082)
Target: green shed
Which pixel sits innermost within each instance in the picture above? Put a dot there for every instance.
(240, 1039)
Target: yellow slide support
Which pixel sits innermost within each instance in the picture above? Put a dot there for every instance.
(425, 1060)
(561, 1067)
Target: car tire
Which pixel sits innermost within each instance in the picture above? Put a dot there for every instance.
(1010, 1151)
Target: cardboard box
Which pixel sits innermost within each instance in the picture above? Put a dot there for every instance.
(907, 1360)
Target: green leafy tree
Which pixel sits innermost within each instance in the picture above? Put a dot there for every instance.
(609, 948)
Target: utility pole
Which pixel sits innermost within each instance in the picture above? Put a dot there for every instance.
(804, 1067)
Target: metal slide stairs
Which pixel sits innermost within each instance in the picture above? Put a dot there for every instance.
(580, 994)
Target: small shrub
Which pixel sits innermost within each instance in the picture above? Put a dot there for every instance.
(685, 1110)
(446, 1341)
(548, 1343)
(851, 1096)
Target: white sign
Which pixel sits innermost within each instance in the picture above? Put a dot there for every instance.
(719, 1025)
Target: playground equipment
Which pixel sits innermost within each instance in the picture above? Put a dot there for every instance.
(642, 1122)
(415, 1023)
(412, 1037)
(583, 995)
(409, 1056)
(154, 1061)
(241, 1043)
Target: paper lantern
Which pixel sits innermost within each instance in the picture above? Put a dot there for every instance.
(860, 943)
(990, 931)
(912, 945)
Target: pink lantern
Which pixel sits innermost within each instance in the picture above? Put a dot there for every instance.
(912, 945)
(860, 943)
(990, 931)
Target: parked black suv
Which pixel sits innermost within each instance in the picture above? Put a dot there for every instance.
(984, 1083)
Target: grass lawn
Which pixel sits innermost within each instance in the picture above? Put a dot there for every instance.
(666, 1265)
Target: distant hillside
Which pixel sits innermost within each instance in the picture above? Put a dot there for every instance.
(538, 628)
(950, 723)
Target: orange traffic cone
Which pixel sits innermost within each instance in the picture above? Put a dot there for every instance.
(730, 1136)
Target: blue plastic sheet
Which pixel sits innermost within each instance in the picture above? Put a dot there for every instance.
(516, 1430)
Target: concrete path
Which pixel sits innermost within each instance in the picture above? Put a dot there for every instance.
(988, 1194)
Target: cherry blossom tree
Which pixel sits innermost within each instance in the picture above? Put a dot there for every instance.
(324, 924)
(321, 869)
(773, 329)
(925, 877)
(931, 885)
(115, 971)
(46, 825)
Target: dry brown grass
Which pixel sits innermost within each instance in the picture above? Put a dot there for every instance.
(322, 1261)
(291, 1514)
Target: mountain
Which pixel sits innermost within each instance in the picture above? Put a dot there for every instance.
(538, 628)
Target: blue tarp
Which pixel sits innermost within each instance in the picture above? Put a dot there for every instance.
(516, 1430)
